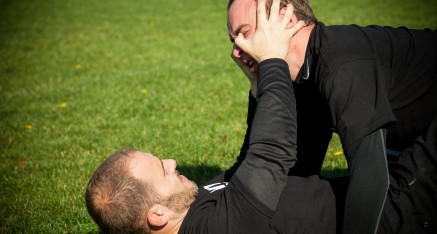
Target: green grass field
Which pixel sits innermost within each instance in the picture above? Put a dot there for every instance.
(80, 79)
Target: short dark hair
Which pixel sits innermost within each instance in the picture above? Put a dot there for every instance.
(302, 9)
(115, 199)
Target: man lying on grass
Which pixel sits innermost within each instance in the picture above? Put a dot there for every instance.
(135, 192)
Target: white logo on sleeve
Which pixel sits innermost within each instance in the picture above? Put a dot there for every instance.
(216, 186)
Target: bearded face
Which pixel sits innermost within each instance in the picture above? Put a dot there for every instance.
(181, 201)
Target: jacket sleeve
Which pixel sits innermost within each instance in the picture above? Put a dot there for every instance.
(368, 184)
(272, 137)
(243, 150)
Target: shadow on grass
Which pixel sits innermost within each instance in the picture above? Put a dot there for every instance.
(98, 232)
(203, 173)
(335, 172)
(200, 173)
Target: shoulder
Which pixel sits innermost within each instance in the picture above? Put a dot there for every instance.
(218, 203)
(344, 43)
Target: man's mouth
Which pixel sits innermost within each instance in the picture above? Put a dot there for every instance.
(253, 66)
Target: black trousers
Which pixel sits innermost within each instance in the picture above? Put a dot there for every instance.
(411, 205)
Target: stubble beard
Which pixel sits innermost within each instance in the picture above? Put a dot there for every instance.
(181, 201)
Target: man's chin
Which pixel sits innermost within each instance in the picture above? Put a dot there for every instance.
(193, 187)
(182, 201)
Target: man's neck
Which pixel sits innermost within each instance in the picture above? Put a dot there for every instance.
(298, 46)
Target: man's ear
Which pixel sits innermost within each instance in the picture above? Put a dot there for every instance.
(293, 20)
(158, 215)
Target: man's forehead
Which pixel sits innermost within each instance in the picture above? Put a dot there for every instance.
(242, 7)
(143, 162)
(147, 158)
(241, 12)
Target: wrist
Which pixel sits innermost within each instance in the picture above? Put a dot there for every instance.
(270, 57)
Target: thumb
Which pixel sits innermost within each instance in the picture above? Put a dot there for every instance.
(241, 42)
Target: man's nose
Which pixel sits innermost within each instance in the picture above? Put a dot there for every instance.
(236, 51)
(170, 165)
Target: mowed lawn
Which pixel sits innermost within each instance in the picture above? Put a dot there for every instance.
(80, 79)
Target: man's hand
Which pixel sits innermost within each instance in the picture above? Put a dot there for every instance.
(253, 77)
(272, 37)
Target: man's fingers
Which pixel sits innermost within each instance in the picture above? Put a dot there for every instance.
(287, 16)
(274, 10)
(241, 42)
(298, 26)
(261, 11)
